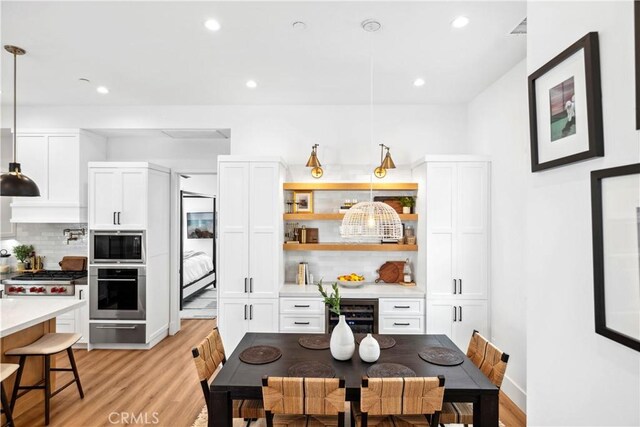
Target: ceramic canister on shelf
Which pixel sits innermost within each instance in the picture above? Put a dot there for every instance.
(342, 343)
(369, 349)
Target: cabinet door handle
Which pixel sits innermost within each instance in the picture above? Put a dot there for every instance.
(301, 323)
(301, 306)
(245, 285)
(116, 327)
(114, 218)
(455, 314)
(251, 285)
(401, 306)
(460, 308)
(80, 294)
(245, 312)
(251, 312)
(455, 286)
(401, 324)
(460, 287)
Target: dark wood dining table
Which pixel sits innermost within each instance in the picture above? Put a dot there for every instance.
(239, 380)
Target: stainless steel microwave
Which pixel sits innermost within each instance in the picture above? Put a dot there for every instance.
(117, 247)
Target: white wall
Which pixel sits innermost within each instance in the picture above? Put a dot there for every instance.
(342, 131)
(498, 127)
(576, 377)
(176, 154)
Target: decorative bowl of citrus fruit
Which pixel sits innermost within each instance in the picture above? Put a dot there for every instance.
(352, 280)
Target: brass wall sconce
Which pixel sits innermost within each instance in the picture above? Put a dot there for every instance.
(386, 162)
(314, 163)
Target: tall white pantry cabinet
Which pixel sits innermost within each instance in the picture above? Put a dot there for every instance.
(455, 205)
(251, 204)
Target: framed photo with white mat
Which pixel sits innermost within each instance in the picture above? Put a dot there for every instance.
(565, 107)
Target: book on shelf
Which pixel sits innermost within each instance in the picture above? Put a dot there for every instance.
(303, 277)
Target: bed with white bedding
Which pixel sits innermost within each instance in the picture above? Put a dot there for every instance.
(197, 272)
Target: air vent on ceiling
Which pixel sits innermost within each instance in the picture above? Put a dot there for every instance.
(197, 133)
(521, 28)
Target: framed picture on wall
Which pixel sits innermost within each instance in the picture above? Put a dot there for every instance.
(565, 107)
(199, 225)
(303, 201)
(615, 205)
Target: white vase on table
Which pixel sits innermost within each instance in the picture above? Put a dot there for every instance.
(342, 343)
(369, 349)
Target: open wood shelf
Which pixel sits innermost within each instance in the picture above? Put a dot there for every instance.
(351, 186)
(333, 217)
(374, 247)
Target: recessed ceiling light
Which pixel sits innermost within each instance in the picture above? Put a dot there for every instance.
(252, 84)
(418, 82)
(103, 90)
(299, 26)
(212, 24)
(460, 21)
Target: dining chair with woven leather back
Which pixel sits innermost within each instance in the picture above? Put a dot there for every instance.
(208, 356)
(493, 364)
(400, 402)
(304, 402)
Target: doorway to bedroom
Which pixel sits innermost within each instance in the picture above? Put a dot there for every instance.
(198, 293)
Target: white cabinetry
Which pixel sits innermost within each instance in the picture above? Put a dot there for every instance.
(401, 316)
(302, 315)
(76, 321)
(57, 162)
(115, 198)
(456, 207)
(457, 319)
(251, 234)
(242, 315)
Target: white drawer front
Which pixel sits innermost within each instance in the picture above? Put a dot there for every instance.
(402, 325)
(301, 306)
(302, 324)
(402, 307)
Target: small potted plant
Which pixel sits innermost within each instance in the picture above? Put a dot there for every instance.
(407, 203)
(342, 344)
(22, 252)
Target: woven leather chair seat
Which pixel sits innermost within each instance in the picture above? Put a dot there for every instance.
(248, 409)
(47, 345)
(388, 421)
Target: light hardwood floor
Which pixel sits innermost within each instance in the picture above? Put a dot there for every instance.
(161, 382)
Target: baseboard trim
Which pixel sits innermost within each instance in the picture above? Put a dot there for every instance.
(515, 393)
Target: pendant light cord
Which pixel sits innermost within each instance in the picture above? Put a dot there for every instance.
(371, 111)
(15, 105)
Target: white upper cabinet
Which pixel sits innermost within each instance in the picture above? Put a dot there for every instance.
(57, 162)
(250, 211)
(457, 232)
(119, 195)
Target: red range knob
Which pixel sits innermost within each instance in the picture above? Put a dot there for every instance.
(41, 289)
(54, 290)
(33, 289)
(20, 289)
(12, 289)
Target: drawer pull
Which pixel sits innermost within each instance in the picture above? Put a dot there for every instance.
(401, 324)
(301, 323)
(115, 327)
(401, 306)
(302, 306)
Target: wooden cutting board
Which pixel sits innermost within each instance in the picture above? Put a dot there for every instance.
(391, 272)
(73, 263)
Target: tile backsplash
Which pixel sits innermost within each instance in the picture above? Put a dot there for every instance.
(49, 241)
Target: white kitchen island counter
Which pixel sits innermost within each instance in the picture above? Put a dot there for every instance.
(17, 314)
(368, 290)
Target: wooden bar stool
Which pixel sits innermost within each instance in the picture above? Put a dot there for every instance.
(6, 369)
(47, 346)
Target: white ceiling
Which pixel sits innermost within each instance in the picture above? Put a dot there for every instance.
(159, 53)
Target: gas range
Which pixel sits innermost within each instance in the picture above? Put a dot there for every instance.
(45, 283)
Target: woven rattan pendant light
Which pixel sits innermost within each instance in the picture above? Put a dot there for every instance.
(371, 221)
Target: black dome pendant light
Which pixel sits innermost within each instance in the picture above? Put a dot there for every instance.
(15, 183)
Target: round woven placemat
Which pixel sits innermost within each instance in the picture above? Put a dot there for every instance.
(315, 342)
(311, 369)
(260, 354)
(385, 341)
(390, 370)
(441, 356)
